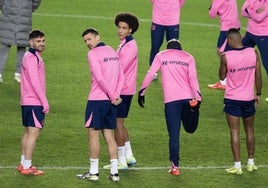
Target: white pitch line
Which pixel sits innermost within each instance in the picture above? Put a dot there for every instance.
(111, 18)
(131, 168)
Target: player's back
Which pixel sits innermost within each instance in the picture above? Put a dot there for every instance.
(177, 66)
(241, 65)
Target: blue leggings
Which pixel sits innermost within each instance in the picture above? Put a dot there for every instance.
(262, 43)
(157, 37)
(173, 114)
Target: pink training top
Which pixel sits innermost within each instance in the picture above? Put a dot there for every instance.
(228, 13)
(179, 78)
(166, 12)
(33, 80)
(107, 77)
(257, 22)
(241, 65)
(128, 54)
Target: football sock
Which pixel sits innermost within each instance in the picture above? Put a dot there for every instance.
(128, 149)
(251, 161)
(114, 169)
(223, 82)
(22, 158)
(237, 164)
(27, 164)
(94, 166)
(121, 155)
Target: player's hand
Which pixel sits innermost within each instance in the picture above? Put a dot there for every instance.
(195, 104)
(45, 108)
(257, 101)
(141, 98)
(117, 101)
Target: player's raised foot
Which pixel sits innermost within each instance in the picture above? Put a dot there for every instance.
(234, 170)
(131, 160)
(88, 176)
(175, 171)
(251, 168)
(32, 171)
(119, 166)
(217, 85)
(114, 177)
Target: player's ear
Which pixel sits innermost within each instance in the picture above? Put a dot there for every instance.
(31, 42)
(98, 37)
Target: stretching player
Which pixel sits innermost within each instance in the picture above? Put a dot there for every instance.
(180, 87)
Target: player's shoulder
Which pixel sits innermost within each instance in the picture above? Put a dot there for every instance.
(102, 49)
(187, 53)
(30, 57)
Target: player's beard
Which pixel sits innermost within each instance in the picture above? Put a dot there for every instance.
(41, 48)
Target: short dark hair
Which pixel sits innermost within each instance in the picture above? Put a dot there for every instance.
(36, 33)
(234, 32)
(174, 44)
(90, 30)
(129, 18)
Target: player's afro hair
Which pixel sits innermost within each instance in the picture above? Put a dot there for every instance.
(128, 18)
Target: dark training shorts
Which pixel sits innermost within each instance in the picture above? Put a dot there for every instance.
(100, 115)
(33, 116)
(123, 107)
(238, 108)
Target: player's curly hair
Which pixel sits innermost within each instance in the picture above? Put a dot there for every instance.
(128, 18)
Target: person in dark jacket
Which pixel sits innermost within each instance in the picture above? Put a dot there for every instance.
(15, 26)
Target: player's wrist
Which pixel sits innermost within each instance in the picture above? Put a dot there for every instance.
(258, 93)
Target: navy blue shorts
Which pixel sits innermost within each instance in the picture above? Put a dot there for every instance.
(238, 108)
(32, 116)
(100, 115)
(123, 107)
